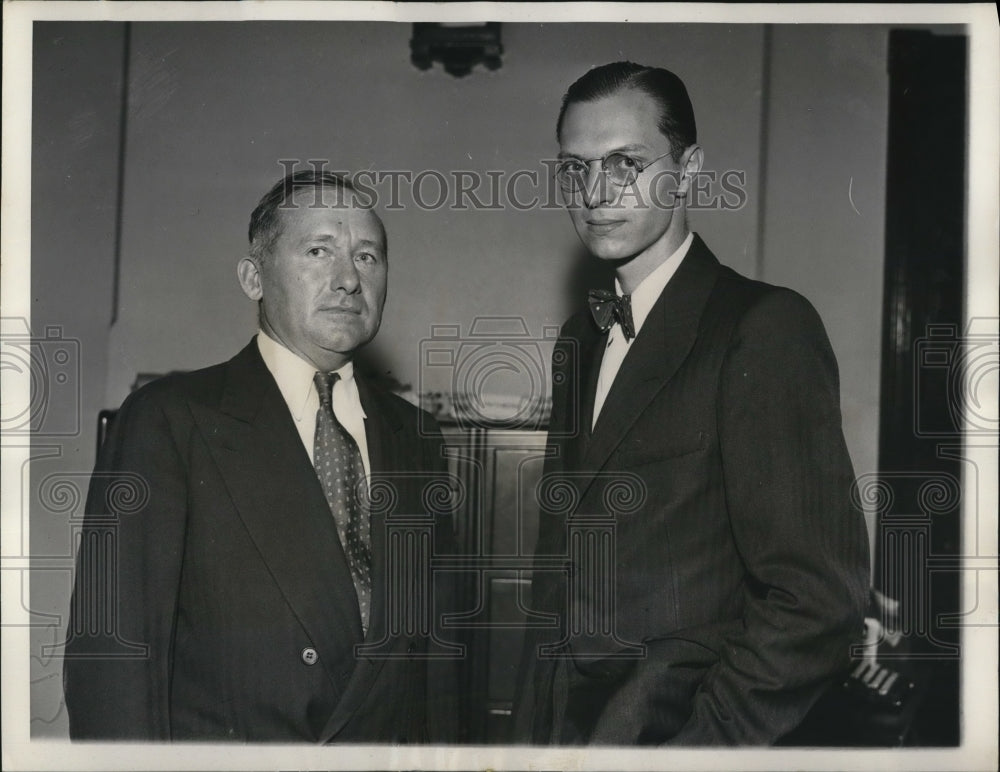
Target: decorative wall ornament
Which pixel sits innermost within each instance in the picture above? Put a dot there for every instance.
(459, 47)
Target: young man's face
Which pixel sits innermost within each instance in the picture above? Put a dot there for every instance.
(615, 222)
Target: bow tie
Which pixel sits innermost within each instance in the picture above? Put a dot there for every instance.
(607, 308)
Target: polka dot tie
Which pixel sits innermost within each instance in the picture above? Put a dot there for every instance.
(342, 474)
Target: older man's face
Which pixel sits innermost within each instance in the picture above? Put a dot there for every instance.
(323, 285)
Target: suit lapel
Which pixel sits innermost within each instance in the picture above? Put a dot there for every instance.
(592, 345)
(381, 429)
(280, 501)
(657, 352)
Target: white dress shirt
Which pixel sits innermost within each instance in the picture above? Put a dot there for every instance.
(643, 300)
(294, 377)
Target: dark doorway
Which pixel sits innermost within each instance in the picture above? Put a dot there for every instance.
(918, 537)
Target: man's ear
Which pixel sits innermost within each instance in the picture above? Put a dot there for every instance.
(691, 163)
(248, 272)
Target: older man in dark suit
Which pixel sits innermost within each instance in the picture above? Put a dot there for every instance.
(244, 594)
(736, 574)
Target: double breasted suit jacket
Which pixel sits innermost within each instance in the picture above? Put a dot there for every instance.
(232, 612)
(740, 566)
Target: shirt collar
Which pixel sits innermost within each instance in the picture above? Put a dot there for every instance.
(650, 288)
(294, 376)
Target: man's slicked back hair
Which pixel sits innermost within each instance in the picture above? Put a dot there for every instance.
(676, 114)
(265, 222)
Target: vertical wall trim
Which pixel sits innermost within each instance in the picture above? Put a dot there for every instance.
(120, 199)
(765, 100)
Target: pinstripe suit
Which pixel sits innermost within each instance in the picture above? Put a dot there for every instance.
(740, 581)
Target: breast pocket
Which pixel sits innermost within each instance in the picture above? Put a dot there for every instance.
(651, 449)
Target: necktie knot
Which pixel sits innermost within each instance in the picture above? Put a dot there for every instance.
(607, 308)
(324, 387)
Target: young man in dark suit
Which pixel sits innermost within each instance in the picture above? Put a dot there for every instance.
(732, 580)
(239, 590)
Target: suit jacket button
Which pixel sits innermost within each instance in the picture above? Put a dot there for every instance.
(309, 655)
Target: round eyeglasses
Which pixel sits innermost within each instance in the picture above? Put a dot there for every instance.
(619, 168)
